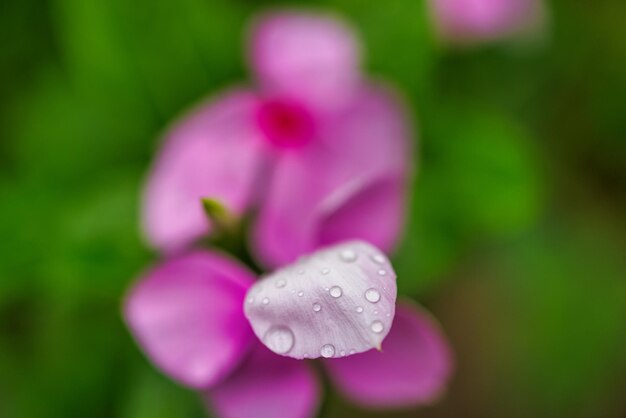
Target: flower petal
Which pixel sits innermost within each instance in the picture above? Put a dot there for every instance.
(215, 152)
(186, 314)
(476, 20)
(373, 213)
(412, 368)
(310, 57)
(338, 301)
(351, 183)
(267, 386)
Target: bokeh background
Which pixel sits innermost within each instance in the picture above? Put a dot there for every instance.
(516, 239)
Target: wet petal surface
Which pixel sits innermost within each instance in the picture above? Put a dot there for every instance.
(337, 302)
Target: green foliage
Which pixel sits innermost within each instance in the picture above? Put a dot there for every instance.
(520, 175)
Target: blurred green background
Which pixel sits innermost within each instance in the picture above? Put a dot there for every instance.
(517, 235)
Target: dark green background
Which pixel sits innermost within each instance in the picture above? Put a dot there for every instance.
(516, 238)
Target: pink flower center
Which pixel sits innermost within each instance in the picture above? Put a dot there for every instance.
(285, 123)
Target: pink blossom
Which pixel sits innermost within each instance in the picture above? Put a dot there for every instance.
(316, 152)
(319, 156)
(188, 316)
(470, 21)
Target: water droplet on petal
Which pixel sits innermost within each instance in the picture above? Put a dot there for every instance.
(335, 291)
(317, 307)
(325, 271)
(388, 315)
(382, 272)
(279, 339)
(352, 351)
(342, 353)
(372, 295)
(375, 312)
(377, 327)
(348, 256)
(250, 300)
(265, 301)
(281, 283)
(359, 309)
(301, 293)
(327, 350)
(305, 355)
(378, 259)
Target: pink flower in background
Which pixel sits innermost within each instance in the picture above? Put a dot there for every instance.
(470, 21)
(338, 303)
(318, 154)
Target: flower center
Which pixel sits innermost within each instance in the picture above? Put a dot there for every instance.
(285, 123)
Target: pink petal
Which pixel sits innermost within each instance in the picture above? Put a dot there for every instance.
(373, 213)
(412, 368)
(348, 184)
(267, 386)
(186, 314)
(336, 302)
(214, 152)
(475, 20)
(311, 57)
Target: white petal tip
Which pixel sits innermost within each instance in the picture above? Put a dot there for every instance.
(337, 302)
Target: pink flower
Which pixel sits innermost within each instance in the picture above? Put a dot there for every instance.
(188, 315)
(470, 21)
(318, 154)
